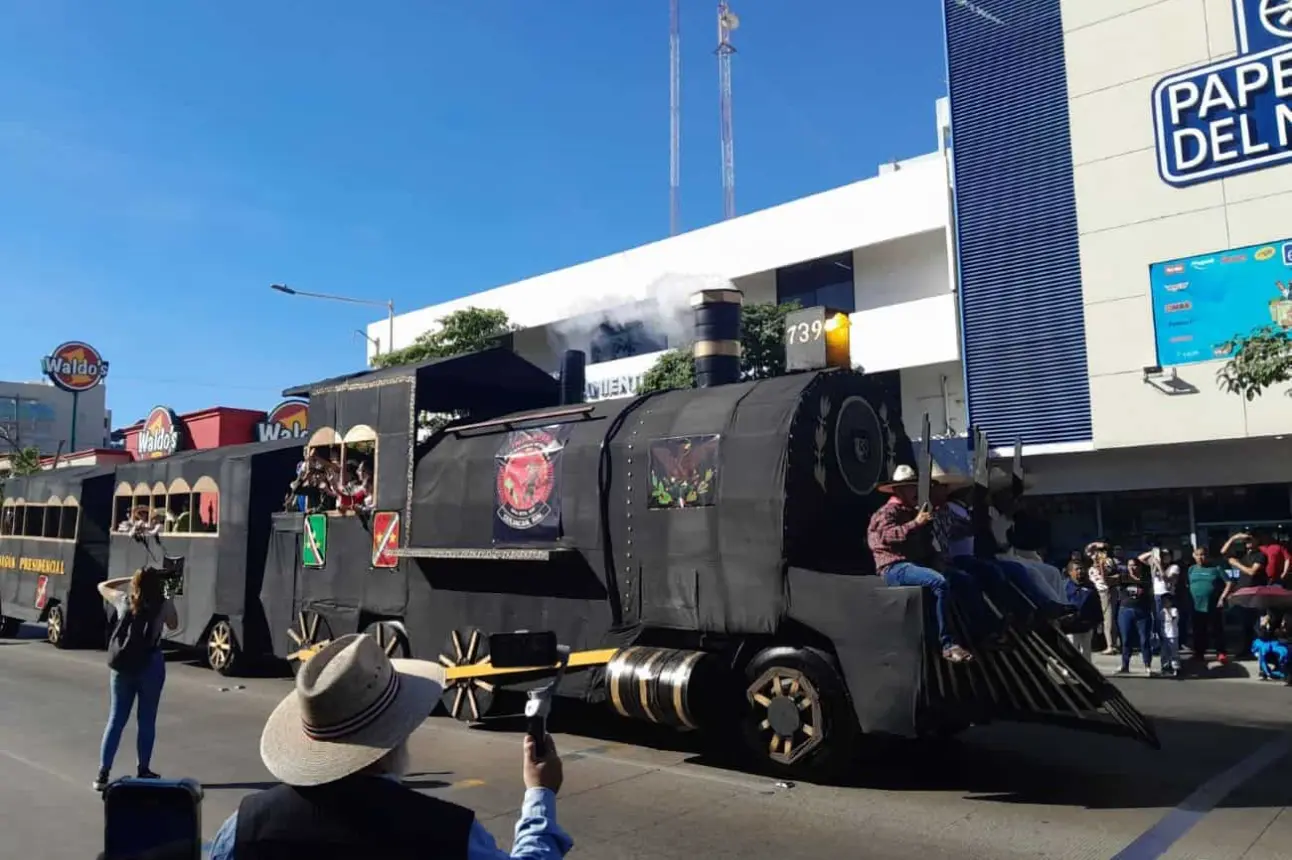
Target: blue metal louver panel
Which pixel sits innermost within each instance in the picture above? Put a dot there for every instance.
(1016, 222)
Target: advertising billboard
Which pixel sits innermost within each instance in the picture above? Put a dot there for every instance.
(1201, 302)
(1235, 115)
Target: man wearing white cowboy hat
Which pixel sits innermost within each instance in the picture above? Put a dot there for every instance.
(338, 743)
(952, 518)
(901, 538)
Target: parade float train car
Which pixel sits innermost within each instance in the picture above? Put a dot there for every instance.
(217, 506)
(703, 554)
(54, 551)
(331, 572)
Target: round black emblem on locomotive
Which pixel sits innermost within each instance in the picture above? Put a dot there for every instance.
(859, 445)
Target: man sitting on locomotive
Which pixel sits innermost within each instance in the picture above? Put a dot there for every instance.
(1002, 578)
(901, 537)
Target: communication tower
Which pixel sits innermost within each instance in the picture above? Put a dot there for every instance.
(727, 23)
(674, 118)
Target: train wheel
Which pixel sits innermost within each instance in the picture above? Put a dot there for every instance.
(467, 699)
(9, 627)
(222, 651)
(392, 637)
(310, 633)
(799, 721)
(56, 627)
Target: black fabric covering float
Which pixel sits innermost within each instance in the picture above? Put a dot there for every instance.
(347, 591)
(84, 560)
(626, 560)
(879, 638)
(223, 571)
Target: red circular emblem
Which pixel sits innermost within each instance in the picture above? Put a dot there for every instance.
(75, 366)
(159, 436)
(526, 479)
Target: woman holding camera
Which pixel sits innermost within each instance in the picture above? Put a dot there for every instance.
(138, 670)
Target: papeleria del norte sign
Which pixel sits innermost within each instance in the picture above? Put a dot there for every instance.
(1235, 115)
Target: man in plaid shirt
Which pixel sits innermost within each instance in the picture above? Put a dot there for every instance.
(904, 540)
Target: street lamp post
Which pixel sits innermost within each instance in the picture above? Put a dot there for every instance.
(389, 305)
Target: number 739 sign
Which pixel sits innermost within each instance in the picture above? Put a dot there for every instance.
(816, 338)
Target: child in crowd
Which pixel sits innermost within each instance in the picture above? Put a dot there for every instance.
(1169, 640)
(1271, 654)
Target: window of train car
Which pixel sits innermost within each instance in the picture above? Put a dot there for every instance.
(204, 507)
(178, 509)
(343, 469)
(7, 513)
(53, 518)
(69, 519)
(33, 523)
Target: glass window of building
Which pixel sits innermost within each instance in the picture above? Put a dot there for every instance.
(621, 340)
(1141, 519)
(824, 282)
(1072, 519)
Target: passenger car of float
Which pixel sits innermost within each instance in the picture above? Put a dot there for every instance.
(212, 508)
(54, 551)
(702, 552)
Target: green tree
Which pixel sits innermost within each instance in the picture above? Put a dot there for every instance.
(467, 330)
(673, 369)
(1261, 359)
(762, 350)
(24, 461)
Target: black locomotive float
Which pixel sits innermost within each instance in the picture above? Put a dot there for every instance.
(702, 552)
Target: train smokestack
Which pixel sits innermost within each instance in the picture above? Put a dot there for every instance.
(717, 336)
(573, 376)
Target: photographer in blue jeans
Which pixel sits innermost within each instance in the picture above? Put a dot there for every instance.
(1136, 614)
(138, 668)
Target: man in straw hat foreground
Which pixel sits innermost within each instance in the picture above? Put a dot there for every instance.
(339, 744)
(901, 537)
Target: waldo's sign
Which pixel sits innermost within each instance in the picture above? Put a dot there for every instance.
(160, 435)
(1235, 115)
(74, 366)
(27, 564)
(289, 419)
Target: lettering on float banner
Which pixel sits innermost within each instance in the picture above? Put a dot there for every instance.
(27, 564)
(1233, 116)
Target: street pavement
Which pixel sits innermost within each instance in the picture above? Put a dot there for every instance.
(1219, 790)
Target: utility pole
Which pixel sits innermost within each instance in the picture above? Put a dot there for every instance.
(674, 117)
(727, 22)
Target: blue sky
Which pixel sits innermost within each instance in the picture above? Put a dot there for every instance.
(162, 163)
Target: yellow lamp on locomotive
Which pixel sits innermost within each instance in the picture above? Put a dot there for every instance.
(817, 338)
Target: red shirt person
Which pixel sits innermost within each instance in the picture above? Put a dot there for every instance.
(900, 536)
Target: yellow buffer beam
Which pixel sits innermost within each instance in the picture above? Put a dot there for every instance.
(484, 669)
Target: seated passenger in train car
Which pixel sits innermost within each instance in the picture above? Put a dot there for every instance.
(901, 537)
(1005, 580)
(355, 491)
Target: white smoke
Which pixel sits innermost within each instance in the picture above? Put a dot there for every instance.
(662, 306)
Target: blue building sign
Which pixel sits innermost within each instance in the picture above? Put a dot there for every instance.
(1201, 302)
(1235, 115)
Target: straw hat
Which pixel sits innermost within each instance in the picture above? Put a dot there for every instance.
(352, 705)
(905, 476)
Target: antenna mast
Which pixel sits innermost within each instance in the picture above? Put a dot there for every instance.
(727, 22)
(674, 118)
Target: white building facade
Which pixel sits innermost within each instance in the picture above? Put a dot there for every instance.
(1123, 174)
(878, 249)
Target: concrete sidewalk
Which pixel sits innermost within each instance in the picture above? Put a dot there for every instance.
(1235, 671)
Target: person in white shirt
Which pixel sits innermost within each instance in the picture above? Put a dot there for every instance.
(1103, 574)
(1170, 635)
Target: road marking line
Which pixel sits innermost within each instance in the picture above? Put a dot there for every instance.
(1172, 827)
(37, 766)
